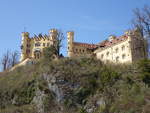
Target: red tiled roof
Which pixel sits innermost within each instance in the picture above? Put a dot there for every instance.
(108, 43)
(105, 43)
(90, 46)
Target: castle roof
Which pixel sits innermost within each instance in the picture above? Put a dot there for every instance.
(89, 46)
(103, 44)
(108, 43)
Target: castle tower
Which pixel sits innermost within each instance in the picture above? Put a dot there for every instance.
(70, 40)
(53, 34)
(24, 44)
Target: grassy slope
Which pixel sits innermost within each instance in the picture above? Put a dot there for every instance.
(124, 88)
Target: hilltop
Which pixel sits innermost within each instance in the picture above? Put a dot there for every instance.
(76, 86)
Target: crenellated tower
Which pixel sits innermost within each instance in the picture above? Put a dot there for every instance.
(24, 46)
(53, 33)
(70, 40)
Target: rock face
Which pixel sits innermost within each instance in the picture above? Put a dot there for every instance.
(38, 100)
(54, 86)
(59, 86)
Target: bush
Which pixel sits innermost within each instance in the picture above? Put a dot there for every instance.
(144, 67)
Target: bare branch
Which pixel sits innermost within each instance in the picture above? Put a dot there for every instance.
(14, 58)
(142, 21)
(5, 61)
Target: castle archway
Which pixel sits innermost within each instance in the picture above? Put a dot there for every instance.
(37, 54)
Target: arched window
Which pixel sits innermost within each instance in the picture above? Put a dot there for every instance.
(107, 54)
(102, 56)
(48, 44)
(116, 50)
(123, 56)
(37, 44)
(37, 54)
(76, 50)
(123, 48)
(117, 59)
(44, 44)
(80, 50)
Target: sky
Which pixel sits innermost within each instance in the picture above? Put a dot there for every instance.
(91, 20)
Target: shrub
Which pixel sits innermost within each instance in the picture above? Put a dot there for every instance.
(144, 67)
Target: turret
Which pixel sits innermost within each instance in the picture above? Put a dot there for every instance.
(53, 33)
(70, 40)
(24, 43)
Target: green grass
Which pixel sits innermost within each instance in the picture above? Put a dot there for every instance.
(124, 88)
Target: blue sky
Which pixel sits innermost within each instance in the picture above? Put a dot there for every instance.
(91, 20)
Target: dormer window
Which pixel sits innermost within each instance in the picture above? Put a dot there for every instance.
(111, 37)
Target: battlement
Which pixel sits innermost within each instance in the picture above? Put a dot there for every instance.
(70, 33)
(25, 34)
(53, 31)
(41, 37)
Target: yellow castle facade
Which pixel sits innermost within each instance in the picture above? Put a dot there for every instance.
(32, 47)
(127, 48)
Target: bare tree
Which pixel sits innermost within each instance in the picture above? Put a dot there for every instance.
(58, 44)
(14, 58)
(9, 59)
(5, 61)
(142, 22)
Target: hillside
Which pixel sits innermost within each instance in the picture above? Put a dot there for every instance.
(76, 86)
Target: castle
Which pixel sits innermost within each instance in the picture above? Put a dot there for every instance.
(32, 47)
(127, 48)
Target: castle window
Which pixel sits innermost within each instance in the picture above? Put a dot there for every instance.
(123, 48)
(76, 50)
(83, 51)
(117, 59)
(27, 51)
(80, 50)
(37, 54)
(48, 44)
(116, 50)
(107, 54)
(44, 44)
(37, 44)
(123, 56)
(102, 56)
(28, 45)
